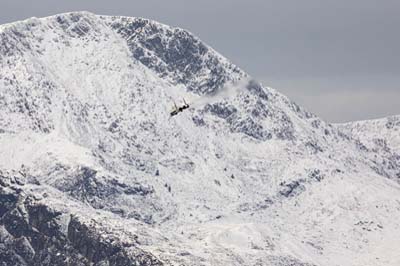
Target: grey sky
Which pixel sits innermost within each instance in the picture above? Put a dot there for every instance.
(338, 58)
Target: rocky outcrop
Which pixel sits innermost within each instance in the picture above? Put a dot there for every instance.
(31, 234)
(176, 54)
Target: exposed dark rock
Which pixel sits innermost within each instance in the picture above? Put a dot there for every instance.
(250, 128)
(30, 234)
(198, 121)
(222, 110)
(313, 146)
(392, 122)
(285, 131)
(360, 145)
(88, 187)
(260, 110)
(174, 51)
(293, 188)
(316, 175)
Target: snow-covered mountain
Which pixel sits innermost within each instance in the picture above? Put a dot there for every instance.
(95, 171)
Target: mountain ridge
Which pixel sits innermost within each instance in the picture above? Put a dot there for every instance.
(245, 173)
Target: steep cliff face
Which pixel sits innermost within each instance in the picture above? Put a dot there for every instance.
(105, 176)
(31, 233)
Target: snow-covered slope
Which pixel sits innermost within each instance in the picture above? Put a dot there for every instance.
(380, 140)
(373, 133)
(243, 177)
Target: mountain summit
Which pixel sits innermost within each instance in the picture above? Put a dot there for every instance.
(95, 171)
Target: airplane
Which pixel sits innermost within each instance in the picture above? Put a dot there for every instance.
(179, 109)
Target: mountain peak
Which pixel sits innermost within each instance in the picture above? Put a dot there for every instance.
(93, 161)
